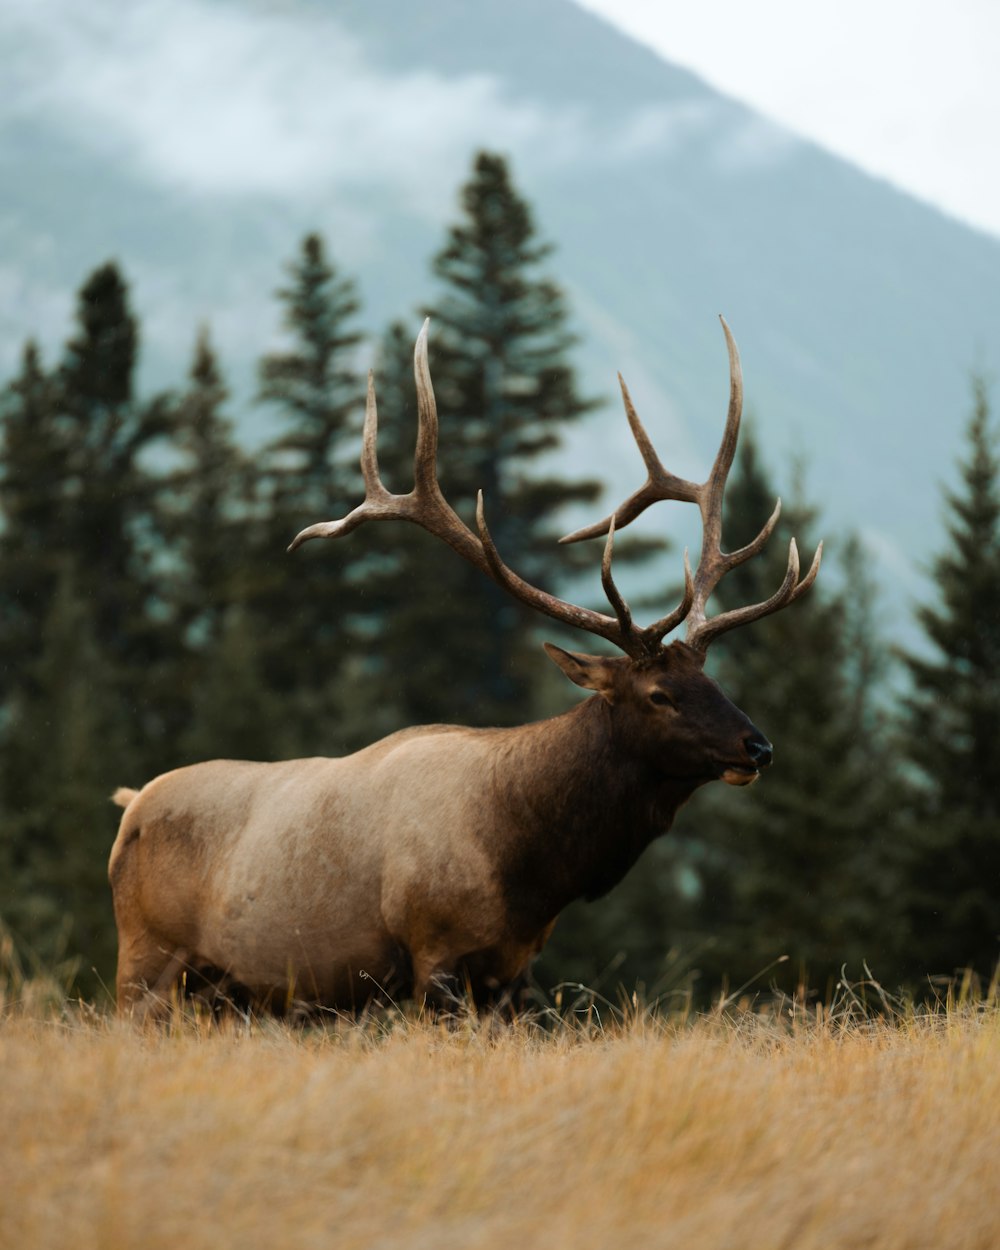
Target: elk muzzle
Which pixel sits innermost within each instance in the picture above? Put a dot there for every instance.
(759, 754)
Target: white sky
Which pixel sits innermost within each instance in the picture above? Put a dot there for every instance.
(907, 89)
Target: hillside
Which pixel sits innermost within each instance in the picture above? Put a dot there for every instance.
(197, 141)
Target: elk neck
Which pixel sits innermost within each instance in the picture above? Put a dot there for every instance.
(579, 809)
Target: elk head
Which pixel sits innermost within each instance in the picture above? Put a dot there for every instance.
(664, 707)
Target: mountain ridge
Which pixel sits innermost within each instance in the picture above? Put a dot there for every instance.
(860, 312)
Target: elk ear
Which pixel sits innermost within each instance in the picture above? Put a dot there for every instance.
(594, 672)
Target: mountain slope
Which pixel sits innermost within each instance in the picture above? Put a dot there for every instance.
(197, 142)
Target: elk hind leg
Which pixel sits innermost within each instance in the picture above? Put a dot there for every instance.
(149, 969)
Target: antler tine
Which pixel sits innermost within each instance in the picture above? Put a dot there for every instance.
(425, 455)
(790, 589)
(736, 558)
(711, 492)
(701, 632)
(369, 444)
(713, 563)
(658, 631)
(716, 563)
(622, 610)
(425, 505)
(377, 498)
(810, 577)
(659, 484)
(614, 631)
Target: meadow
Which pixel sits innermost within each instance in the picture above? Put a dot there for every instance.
(863, 1124)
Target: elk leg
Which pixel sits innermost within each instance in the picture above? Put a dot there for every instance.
(435, 984)
(148, 969)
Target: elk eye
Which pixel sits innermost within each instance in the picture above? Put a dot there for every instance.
(661, 699)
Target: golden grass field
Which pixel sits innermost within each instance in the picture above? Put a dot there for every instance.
(804, 1129)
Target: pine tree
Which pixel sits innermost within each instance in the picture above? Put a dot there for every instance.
(313, 385)
(84, 637)
(952, 728)
(224, 707)
(33, 471)
(107, 492)
(310, 471)
(207, 501)
(233, 713)
(64, 731)
(505, 391)
(802, 865)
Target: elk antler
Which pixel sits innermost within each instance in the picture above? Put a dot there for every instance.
(714, 562)
(426, 506)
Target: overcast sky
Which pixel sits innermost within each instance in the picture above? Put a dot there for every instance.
(907, 89)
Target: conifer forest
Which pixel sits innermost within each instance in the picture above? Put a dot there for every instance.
(150, 617)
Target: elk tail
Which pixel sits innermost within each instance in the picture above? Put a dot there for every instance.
(123, 796)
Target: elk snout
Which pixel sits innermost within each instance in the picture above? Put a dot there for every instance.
(759, 750)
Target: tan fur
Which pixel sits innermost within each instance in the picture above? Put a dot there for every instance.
(297, 877)
(438, 852)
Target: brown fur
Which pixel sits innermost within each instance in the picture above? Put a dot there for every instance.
(435, 854)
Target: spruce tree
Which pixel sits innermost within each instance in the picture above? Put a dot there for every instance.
(206, 501)
(66, 746)
(801, 865)
(220, 689)
(310, 472)
(33, 472)
(952, 728)
(506, 391)
(86, 632)
(108, 494)
(313, 385)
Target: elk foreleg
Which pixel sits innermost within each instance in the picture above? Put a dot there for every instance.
(436, 984)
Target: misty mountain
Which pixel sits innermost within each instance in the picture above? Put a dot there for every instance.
(195, 141)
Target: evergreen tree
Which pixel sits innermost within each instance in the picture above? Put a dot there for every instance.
(226, 709)
(86, 629)
(310, 471)
(208, 501)
(803, 864)
(505, 392)
(63, 732)
(952, 728)
(108, 494)
(33, 472)
(313, 385)
(32, 469)
(413, 589)
(233, 713)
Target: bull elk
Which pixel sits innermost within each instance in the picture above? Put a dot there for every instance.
(444, 853)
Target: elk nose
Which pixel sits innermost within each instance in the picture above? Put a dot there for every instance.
(759, 750)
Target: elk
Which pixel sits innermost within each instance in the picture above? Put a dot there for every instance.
(444, 854)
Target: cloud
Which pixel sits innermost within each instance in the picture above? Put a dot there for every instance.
(753, 143)
(218, 99)
(209, 98)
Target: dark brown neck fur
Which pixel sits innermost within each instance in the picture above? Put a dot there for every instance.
(581, 809)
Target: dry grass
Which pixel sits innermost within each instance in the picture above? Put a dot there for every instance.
(732, 1131)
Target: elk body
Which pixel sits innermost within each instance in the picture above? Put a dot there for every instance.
(443, 854)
